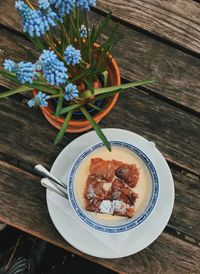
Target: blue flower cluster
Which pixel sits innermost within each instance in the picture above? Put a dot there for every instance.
(36, 22)
(9, 65)
(40, 99)
(71, 92)
(54, 70)
(25, 71)
(44, 4)
(72, 56)
(85, 4)
(63, 7)
(83, 31)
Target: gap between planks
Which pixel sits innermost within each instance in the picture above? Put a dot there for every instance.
(147, 33)
(163, 98)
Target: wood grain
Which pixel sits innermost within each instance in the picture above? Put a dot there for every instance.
(26, 137)
(175, 132)
(26, 140)
(28, 212)
(184, 218)
(141, 57)
(138, 56)
(175, 20)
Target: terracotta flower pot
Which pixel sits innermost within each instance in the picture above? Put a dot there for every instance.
(82, 125)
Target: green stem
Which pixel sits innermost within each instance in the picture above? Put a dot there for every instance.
(56, 96)
(85, 63)
(88, 37)
(51, 44)
(72, 23)
(78, 27)
(29, 4)
(65, 33)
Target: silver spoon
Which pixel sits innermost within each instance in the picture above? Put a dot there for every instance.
(48, 184)
(43, 172)
(50, 181)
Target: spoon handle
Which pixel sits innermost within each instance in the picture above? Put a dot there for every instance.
(49, 185)
(43, 172)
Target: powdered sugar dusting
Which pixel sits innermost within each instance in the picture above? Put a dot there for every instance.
(109, 207)
(90, 192)
(120, 206)
(106, 207)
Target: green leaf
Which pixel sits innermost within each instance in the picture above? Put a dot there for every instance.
(89, 85)
(59, 106)
(82, 74)
(65, 40)
(43, 87)
(94, 106)
(103, 25)
(110, 42)
(69, 108)
(88, 94)
(39, 85)
(92, 35)
(9, 75)
(14, 91)
(37, 42)
(28, 52)
(96, 128)
(88, 44)
(63, 128)
(108, 94)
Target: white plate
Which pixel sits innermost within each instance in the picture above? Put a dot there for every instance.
(140, 236)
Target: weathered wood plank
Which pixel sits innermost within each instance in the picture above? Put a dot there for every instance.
(26, 139)
(166, 255)
(175, 20)
(185, 215)
(175, 132)
(139, 57)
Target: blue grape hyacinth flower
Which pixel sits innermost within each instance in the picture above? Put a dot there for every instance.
(40, 99)
(71, 92)
(54, 70)
(83, 31)
(85, 4)
(72, 56)
(25, 71)
(44, 4)
(63, 7)
(9, 65)
(36, 22)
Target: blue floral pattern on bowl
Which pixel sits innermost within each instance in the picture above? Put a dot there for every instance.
(136, 221)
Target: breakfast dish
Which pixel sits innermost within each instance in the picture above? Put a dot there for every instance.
(109, 187)
(138, 233)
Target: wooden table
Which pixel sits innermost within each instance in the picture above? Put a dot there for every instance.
(162, 41)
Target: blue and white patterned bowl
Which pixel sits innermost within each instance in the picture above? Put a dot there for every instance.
(128, 224)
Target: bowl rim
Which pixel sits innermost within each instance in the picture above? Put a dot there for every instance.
(135, 221)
